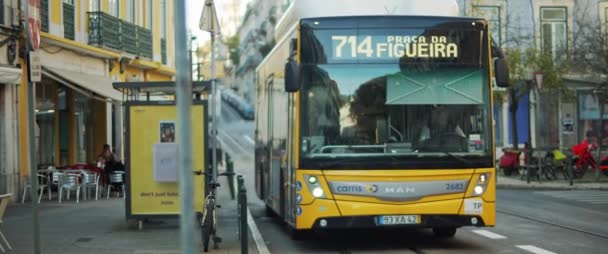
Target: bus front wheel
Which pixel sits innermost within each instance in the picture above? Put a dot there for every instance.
(444, 232)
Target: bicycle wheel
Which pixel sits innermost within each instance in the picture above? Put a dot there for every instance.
(207, 226)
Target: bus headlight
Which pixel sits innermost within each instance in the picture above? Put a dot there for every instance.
(317, 192)
(478, 190)
(482, 182)
(314, 186)
(483, 178)
(312, 179)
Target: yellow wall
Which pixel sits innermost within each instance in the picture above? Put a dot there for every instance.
(155, 76)
(105, 6)
(99, 129)
(55, 6)
(123, 9)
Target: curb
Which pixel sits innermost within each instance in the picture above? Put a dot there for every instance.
(536, 186)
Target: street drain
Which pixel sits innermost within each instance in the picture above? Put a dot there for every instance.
(84, 240)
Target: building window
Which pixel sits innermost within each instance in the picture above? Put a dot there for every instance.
(131, 11)
(150, 15)
(492, 15)
(554, 30)
(163, 31)
(94, 5)
(114, 8)
(163, 19)
(606, 21)
(69, 19)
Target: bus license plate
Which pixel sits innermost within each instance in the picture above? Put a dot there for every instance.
(398, 219)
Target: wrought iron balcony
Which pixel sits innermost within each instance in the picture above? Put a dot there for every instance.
(144, 39)
(107, 31)
(128, 37)
(104, 30)
(163, 51)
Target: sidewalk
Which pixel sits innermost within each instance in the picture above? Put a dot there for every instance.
(100, 227)
(586, 183)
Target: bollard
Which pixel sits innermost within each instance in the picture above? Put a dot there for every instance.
(570, 170)
(238, 202)
(230, 169)
(243, 220)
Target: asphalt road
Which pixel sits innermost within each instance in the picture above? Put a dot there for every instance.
(528, 221)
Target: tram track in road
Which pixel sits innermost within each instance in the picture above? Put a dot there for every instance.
(551, 223)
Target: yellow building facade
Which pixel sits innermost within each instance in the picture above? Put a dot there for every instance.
(85, 46)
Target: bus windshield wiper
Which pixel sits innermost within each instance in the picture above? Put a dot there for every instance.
(459, 158)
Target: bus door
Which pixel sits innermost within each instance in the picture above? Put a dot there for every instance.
(273, 174)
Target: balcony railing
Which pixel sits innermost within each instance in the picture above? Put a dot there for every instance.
(68, 21)
(128, 37)
(107, 31)
(163, 51)
(144, 39)
(104, 30)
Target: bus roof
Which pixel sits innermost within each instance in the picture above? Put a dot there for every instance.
(300, 9)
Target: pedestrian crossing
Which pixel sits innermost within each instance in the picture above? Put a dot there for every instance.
(587, 196)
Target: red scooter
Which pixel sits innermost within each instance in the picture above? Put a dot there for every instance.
(509, 161)
(583, 159)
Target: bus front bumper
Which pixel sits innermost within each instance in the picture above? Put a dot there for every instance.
(426, 221)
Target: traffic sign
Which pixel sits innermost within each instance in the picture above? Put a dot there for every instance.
(35, 66)
(33, 21)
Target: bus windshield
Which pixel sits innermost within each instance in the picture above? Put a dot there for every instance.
(390, 92)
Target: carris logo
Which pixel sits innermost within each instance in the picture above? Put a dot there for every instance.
(349, 188)
(399, 189)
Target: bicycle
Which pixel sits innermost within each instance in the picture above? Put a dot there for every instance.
(208, 221)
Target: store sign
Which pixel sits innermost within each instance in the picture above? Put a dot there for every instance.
(33, 21)
(35, 66)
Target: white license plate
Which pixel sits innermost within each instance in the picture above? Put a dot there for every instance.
(398, 219)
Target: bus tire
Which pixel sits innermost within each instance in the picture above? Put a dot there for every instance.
(444, 232)
(269, 212)
(298, 235)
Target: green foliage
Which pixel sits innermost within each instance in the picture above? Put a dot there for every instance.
(522, 66)
(264, 50)
(233, 48)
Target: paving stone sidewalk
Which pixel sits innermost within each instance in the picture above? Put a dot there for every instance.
(100, 227)
(587, 183)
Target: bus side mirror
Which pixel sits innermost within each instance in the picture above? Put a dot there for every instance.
(292, 76)
(501, 70)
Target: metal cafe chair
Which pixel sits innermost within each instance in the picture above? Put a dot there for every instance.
(70, 182)
(116, 180)
(56, 179)
(43, 181)
(4, 199)
(90, 180)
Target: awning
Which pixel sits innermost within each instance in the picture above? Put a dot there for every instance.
(10, 75)
(87, 84)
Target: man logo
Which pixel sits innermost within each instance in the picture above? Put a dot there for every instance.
(399, 189)
(372, 188)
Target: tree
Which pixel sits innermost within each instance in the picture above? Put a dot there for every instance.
(521, 67)
(233, 48)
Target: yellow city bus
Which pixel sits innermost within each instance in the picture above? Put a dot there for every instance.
(375, 121)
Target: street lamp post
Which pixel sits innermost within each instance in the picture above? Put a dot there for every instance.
(210, 23)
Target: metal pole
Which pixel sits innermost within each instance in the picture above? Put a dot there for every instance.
(184, 103)
(213, 107)
(32, 147)
(601, 97)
